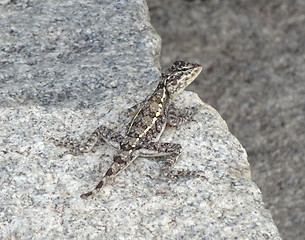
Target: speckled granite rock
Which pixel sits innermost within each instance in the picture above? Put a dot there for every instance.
(65, 69)
(58, 53)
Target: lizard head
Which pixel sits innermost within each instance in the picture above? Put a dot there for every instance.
(179, 76)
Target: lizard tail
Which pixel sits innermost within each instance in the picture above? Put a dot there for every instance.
(91, 193)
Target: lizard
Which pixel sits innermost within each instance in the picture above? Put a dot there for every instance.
(147, 125)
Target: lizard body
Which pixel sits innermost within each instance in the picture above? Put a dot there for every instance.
(146, 127)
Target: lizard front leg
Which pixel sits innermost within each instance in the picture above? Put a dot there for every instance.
(177, 116)
(101, 133)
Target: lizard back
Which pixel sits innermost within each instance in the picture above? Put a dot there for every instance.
(150, 120)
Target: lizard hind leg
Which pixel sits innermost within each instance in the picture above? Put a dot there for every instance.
(172, 152)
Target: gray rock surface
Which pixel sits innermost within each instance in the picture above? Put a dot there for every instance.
(253, 54)
(58, 53)
(67, 67)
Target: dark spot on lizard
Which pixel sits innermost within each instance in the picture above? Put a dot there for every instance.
(101, 183)
(109, 172)
(174, 82)
(118, 160)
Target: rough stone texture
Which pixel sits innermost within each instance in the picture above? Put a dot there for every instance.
(60, 52)
(254, 57)
(40, 185)
(67, 67)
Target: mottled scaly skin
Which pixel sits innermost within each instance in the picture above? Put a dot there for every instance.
(148, 124)
(150, 120)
